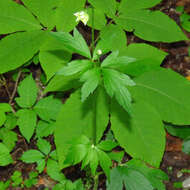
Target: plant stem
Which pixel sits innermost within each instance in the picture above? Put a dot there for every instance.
(5, 85)
(95, 182)
(93, 38)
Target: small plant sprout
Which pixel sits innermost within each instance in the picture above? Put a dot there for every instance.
(82, 16)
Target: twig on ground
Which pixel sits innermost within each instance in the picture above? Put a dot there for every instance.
(15, 88)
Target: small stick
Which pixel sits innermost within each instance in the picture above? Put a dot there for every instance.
(15, 88)
(5, 85)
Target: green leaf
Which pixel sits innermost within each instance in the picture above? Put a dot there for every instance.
(182, 132)
(62, 83)
(116, 84)
(48, 108)
(105, 162)
(186, 146)
(117, 156)
(5, 185)
(30, 182)
(74, 44)
(106, 6)
(90, 115)
(74, 67)
(4, 107)
(143, 135)
(41, 163)
(91, 158)
(31, 156)
(99, 18)
(15, 17)
(146, 57)
(150, 25)
(28, 92)
(107, 145)
(79, 147)
(130, 178)
(17, 49)
(91, 79)
(33, 175)
(53, 155)
(5, 157)
(76, 154)
(44, 10)
(185, 21)
(8, 138)
(118, 63)
(155, 176)
(26, 122)
(10, 122)
(44, 146)
(53, 170)
(126, 5)
(16, 179)
(165, 87)
(94, 161)
(65, 19)
(52, 51)
(44, 129)
(112, 38)
(140, 181)
(180, 9)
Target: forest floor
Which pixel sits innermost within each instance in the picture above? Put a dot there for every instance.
(173, 161)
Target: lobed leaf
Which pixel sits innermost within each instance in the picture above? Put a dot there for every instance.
(89, 115)
(74, 43)
(116, 84)
(75, 67)
(91, 79)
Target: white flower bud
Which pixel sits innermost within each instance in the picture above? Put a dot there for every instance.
(82, 16)
(99, 52)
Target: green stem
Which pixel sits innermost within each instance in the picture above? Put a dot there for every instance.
(93, 38)
(95, 182)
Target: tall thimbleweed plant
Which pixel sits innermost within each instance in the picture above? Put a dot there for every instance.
(115, 88)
